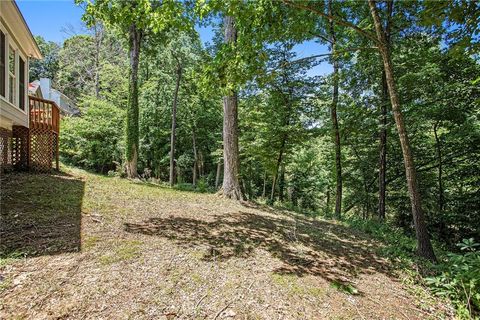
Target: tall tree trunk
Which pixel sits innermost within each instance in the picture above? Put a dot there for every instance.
(174, 126)
(333, 111)
(231, 166)
(195, 159)
(425, 248)
(217, 176)
(132, 134)
(382, 160)
(438, 147)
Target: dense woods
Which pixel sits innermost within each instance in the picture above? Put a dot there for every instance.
(392, 133)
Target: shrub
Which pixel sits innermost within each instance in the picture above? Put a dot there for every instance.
(184, 187)
(202, 185)
(93, 140)
(457, 275)
(459, 279)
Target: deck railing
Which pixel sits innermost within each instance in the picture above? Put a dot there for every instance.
(44, 114)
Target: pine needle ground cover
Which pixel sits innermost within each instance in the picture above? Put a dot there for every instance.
(78, 245)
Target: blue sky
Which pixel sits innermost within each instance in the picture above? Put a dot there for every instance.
(48, 18)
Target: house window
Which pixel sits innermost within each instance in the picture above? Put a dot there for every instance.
(21, 83)
(11, 76)
(3, 63)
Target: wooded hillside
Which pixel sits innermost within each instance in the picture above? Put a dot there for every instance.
(389, 130)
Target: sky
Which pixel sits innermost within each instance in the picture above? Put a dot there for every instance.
(52, 18)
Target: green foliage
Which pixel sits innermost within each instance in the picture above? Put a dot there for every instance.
(459, 279)
(48, 66)
(202, 186)
(184, 187)
(76, 73)
(145, 14)
(346, 288)
(94, 140)
(97, 56)
(457, 275)
(198, 110)
(284, 119)
(399, 247)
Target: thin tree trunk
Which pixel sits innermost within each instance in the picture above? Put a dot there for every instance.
(249, 182)
(231, 167)
(425, 248)
(328, 202)
(132, 134)
(365, 184)
(336, 131)
(217, 176)
(277, 168)
(367, 197)
(200, 164)
(281, 184)
(264, 191)
(195, 159)
(382, 161)
(98, 40)
(438, 147)
(174, 126)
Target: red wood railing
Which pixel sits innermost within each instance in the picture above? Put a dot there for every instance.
(44, 114)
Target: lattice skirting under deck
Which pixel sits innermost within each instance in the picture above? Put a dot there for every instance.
(20, 147)
(43, 149)
(35, 149)
(5, 149)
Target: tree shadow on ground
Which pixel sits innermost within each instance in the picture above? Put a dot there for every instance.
(304, 246)
(40, 214)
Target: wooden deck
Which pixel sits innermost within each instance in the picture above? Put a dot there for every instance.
(36, 148)
(44, 114)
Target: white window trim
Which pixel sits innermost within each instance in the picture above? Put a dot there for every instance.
(10, 42)
(4, 30)
(14, 76)
(25, 78)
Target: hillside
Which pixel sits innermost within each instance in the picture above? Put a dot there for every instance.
(77, 245)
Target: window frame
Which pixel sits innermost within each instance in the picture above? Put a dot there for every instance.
(22, 104)
(13, 100)
(5, 71)
(10, 42)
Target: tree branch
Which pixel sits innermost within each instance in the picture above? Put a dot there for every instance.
(335, 19)
(331, 53)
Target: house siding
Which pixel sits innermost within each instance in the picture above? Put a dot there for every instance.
(11, 114)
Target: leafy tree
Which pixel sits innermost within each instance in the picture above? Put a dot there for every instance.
(80, 74)
(135, 19)
(94, 141)
(76, 73)
(48, 66)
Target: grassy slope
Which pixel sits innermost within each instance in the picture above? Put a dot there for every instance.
(105, 247)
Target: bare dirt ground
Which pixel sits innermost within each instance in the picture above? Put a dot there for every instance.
(80, 246)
